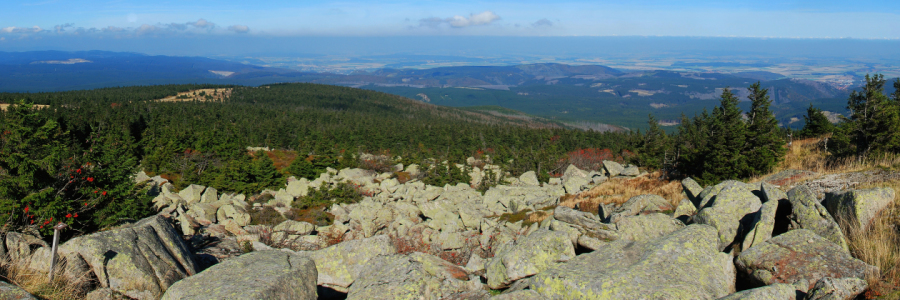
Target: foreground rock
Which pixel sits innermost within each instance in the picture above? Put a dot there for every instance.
(140, 260)
(837, 289)
(683, 265)
(779, 291)
(12, 292)
(339, 265)
(270, 274)
(799, 255)
(729, 211)
(807, 213)
(528, 256)
(413, 276)
(859, 206)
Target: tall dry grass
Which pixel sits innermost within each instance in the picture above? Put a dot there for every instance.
(811, 155)
(619, 190)
(878, 244)
(39, 284)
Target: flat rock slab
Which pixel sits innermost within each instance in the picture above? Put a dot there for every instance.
(530, 255)
(272, 274)
(808, 213)
(799, 255)
(413, 276)
(779, 291)
(683, 265)
(339, 265)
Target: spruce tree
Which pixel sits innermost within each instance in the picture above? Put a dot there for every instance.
(817, 123)
(874, 118)
(724, 155)
(653, 146)
(764, 147)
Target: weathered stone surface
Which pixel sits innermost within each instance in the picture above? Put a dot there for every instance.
(203, 213)
(630, 170)
(11, 292)
(589, 222)
(764, 224)
(140, 260)
(569, 230)
(591, 243)
(859, 206)
(520, 295)
(709, 193)
(837, 289)
(780, 291)
(295, 227)
(807, 213)
(575, 184)
(612, 168)
(529, 178)
(799, 255)
(210, 195)
(646, 227)
(413, 276)
(683, 265)
(685, 210)
(340, 265)
(771, 192)
(238, 214)
(269, 274)
(731, 207)
(530, 255)
(192, 193)
(691, 189)
(642, 204)
(19, 245)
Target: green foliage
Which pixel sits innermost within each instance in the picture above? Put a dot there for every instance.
(724, 155)
(653, 147)
(765, 147)
(817, 124)
(443, 174)
(310, 167)
(340, 193)
(874, 118)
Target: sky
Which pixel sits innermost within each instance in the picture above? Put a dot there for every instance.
(79, 24)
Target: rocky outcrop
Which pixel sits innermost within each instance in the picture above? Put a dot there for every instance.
(779, 291)
(837, 289)
(683, 265)
(799, 255)
(807, 213)
(413, 276)
(691, 190)
(763, 224)
(530, 255)
(272, 274)
(858, 206)
(339, 265)
(12, 292)
(612, 168)
(729, 211)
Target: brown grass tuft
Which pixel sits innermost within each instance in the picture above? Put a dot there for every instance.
(809, 154)
(619, 190)
(38, 283)
(878, 245)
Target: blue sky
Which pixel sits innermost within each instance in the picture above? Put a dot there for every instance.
(48, 19)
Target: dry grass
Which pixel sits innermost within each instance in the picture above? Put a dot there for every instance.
(879, 245)
(619, 190)
(809, 154)
(38, 283)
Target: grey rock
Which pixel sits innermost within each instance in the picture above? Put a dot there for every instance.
(340, 265)
(612, 168)
(587, 221)
(683, 265)
(520, 295)
(807, 213)
(770, 192)
(192, 193)
(764, 223)
(12, 292)
(275, 275)
(529, 178)
(646, 227)
(799, 255)
(691, 189)
(210, 195)
(859, 206)
(729, 211)
(779, 291)
(574, 185)
(591, 243)
(530, 255)
(642, 204)
(837, 289)
(139, 260)
(685, 210)
(413, 276)
(295, 227)
(19, 246)
(630, 170)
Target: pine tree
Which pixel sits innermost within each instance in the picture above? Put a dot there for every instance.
(817, 123)
(724, 158)
(764, 147)
(874, 118)
(653, 146)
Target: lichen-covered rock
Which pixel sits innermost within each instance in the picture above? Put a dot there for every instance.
(19, 246)
(691, 189)
(529, 178)
(859, 206)
(192, 193)
(612, 168)
(771, 192)
(569, 230)
(272, 274)
(799, 255)
(295, 227)
(587, 221)
(520, 295)
(837, 289)
(139, 260)
(764, 223)
(12, 292)
(642, 204)
(807, 213)
(630, 170)
(728, 210)
(340, 265)
(683, 265)
(685, 210)
(646, 227)
(780, 291)
(575, 184)
(413, 276)
(530, 255)
(298, 188)
(210, 195)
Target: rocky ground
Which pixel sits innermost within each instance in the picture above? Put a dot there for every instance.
(409, 240)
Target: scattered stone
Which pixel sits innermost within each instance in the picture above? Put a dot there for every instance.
(275, 275)
(413, 276)
(210, 195)
(771, 192)
(691, 189)
(683, 265)
(764, 224)
(530, 255)
(340, 265)
(642, 204)
(685, 210)
(797, 255)
(295, 227)
(529, 178)
(630, 170)
(646, 227)
(807, 213)
(192, 193)
(19, 245)
(612, 168)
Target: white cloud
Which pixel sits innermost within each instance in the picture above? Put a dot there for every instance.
(239, 28)
(482, 18)
(14, 29)
(61, 28)
(542, 23)
(146, 29)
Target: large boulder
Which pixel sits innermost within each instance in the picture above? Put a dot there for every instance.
(271, 274)
(683, 265)
(771, 192)
(859, 206)
(646, 227)
(19, 246)
(799, 255)
(413, 276)
(642, 204)
(340, 265)
(530, 255)
(192, 193)
(612, 168)
(780, 291)
(587, 221)
(837, 289)
(139, 260)
(807, 213)
(730, 211)
(764, 224)
(529, 178)
(691, 189)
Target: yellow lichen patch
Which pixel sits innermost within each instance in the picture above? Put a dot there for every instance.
(200, 95)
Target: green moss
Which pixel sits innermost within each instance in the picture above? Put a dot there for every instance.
(516, 217)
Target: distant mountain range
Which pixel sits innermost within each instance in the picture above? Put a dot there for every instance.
(567, 93)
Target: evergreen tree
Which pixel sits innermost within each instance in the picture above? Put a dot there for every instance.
(653, 146)
(724, 157)
(817, 123)
(764, 147)
(874, 118)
